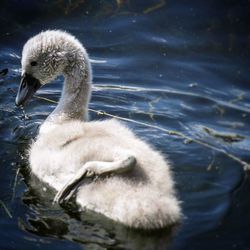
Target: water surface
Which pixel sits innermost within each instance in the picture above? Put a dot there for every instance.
(180, 67)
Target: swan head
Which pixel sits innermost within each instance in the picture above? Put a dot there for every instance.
(44, 57)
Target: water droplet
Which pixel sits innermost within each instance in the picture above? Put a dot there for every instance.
(24, 116)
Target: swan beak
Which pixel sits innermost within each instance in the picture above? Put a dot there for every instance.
(28, 86)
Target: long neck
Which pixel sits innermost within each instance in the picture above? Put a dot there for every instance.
(75, 97)
(73, 104)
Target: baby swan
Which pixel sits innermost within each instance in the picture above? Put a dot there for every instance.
(139, 190)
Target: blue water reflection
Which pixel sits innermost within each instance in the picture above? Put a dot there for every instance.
(181, 67)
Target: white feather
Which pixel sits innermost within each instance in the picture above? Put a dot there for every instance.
(142, 198)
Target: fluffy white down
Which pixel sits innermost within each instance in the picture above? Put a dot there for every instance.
(142, 198)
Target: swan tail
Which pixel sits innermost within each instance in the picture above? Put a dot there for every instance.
(146, 210)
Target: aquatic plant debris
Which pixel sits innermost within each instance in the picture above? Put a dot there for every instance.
(154, 7)
(4, 72)
(6, 209)
(15, 183)
(229, 138)
(246, 165)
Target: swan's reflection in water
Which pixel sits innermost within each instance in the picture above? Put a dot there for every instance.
(93, 230)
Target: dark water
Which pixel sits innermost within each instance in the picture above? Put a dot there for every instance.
(182, 67)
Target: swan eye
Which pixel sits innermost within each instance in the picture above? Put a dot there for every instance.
(33, 63)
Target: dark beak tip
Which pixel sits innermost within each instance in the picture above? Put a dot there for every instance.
(28, 86)
(17, 103)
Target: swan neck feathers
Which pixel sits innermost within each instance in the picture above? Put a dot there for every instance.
(77, 74)
(76, 90)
